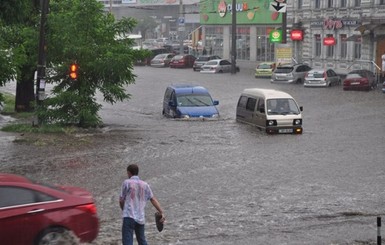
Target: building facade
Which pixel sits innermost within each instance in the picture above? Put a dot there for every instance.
(338, 34)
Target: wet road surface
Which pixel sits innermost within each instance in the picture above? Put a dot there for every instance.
(221, 182)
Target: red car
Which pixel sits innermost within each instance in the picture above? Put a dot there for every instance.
(360, 80)
(182, 61)
(34, 214)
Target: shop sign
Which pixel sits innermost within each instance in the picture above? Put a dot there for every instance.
(276, 36)
(329, 41)
(296, 35)
(332, 24)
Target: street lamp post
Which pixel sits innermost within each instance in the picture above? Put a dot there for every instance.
(233, 37)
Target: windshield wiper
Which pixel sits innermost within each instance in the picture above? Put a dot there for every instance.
(201, 102)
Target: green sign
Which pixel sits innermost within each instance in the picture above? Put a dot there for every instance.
(248, 12)
(276, 36)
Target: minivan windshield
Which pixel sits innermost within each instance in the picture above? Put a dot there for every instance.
(188, 100)
(282, 107)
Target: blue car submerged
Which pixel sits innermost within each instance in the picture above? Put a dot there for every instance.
(189, 101)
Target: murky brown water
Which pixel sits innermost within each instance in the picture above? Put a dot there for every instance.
(221, 182)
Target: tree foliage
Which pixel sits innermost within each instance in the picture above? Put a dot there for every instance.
(145, 24)
(79, 31)
(18, 43)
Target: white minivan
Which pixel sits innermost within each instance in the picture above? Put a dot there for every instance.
(271, 110)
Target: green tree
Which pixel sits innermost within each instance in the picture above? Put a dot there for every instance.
(146, 24)
(18, 47)
(80, 31)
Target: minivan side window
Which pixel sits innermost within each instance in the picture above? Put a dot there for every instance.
(167, 95)
(261, 105)
(242, 102)
(251, 102)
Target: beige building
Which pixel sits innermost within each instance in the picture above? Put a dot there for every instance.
(339, 34)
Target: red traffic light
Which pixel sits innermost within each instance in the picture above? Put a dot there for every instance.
(74, 71)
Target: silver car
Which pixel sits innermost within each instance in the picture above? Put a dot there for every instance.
(162, 60)
(322, 78)
(217, 66)
(290, 73)
(201, 60)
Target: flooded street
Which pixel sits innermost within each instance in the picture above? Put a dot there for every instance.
(222, 182)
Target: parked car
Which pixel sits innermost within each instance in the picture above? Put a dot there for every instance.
(32, 213)
(264, 69)
(182, 61)
(201, 60)
(322, 78)
(162, 60)
(217, 66)
(360, 80)
(189, 101)
(290, 73)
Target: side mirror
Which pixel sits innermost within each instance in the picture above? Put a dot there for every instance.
(171, 103)
(215, 102)
(301, 108)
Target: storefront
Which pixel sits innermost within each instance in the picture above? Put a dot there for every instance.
(254, 22)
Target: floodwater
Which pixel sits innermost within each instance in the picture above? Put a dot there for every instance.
(221, 182)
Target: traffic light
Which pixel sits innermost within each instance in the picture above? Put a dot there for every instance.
(74, 71)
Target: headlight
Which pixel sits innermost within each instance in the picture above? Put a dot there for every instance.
(185, 116)
(215, 116)
(297, 122)
(271, 123)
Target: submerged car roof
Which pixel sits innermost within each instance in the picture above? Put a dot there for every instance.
(189, 89)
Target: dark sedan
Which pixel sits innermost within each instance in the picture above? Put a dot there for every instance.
(182, 61)
(360, 80)
(32, 213)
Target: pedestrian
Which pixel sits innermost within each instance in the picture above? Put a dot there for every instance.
(204, 51)
(133, 198)
(383, 66)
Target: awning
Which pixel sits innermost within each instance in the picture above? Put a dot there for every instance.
(368, 27)
(353, 38)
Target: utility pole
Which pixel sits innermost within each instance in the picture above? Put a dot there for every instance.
(41, 64)
(181, 27)
(284, 27)
(233, 37)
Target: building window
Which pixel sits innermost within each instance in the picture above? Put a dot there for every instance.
(317, 44)
(330, 3)
(382, 2)
(299, 4)
(357, 3)
(343, 4)
(330, 51)
(357, 49)
(317, 4)
(343, 46)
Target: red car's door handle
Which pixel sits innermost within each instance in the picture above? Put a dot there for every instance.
(36, 211)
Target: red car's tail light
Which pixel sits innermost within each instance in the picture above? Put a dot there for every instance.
(89, 208)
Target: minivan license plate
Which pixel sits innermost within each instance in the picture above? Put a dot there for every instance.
(285, 130)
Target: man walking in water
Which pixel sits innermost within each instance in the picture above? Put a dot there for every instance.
(133, 198)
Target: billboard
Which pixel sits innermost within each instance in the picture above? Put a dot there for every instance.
(219, 12)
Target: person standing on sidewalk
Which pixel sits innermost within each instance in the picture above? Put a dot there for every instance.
(132, 200)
